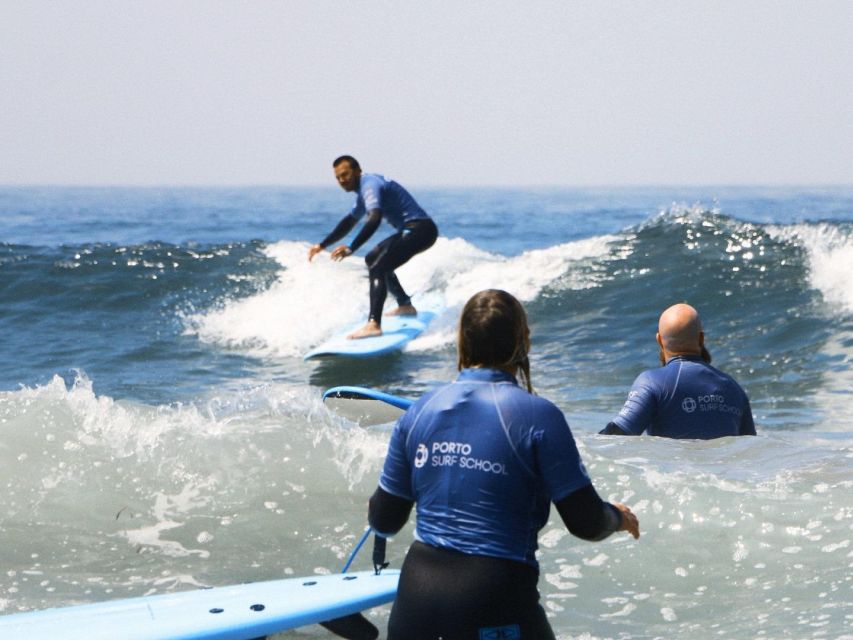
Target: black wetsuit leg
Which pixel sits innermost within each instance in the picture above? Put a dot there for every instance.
(454, 596)
(393, 252)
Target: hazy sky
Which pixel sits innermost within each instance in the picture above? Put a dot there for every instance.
(431, 93)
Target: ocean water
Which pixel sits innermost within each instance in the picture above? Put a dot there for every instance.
(159, 429)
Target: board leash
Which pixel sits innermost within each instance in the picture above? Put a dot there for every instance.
(379, 543)
(379, 562)
(357, 548)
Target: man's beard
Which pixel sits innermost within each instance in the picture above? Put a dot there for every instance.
(706, 355)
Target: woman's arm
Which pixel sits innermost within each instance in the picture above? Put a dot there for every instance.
(387, 513)
(587, 516)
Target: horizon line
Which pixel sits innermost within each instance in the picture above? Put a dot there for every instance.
(331, 185)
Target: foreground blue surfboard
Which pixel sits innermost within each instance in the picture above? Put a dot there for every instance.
(364, 393)
(365, 406)
(239, 612)
(397, 331)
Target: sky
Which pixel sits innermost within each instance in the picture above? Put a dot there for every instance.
(441, 93)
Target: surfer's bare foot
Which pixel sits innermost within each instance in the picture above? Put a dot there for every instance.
(403, 310)
(369, 330)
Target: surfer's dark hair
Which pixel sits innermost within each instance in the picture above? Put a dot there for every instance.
(352, 162)
(493, 332)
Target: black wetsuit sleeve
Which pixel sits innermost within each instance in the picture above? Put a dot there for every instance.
(587, 516)
(613, 429)
(343, 228)
(387, 513)
(374, 217)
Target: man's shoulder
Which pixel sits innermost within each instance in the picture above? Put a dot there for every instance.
(731, 380)
(700, 369)
(650, 377)
(722, 374)
(372, 180)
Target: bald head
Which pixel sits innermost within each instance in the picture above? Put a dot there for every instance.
(680, 331)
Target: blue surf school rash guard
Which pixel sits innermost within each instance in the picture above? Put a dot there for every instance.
(483, 459)
(397, 205)
(686, 398)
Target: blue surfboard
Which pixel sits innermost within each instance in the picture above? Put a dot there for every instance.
(365, 406)
(396, 332)
(365, 393)
(239, 612)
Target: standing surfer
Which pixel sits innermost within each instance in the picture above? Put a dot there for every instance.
(380, 199)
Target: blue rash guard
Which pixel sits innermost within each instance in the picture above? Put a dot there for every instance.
(483, 459)
(397, 205)
(686, 398)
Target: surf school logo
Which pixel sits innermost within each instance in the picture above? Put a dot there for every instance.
(421, 456)
(688, 405)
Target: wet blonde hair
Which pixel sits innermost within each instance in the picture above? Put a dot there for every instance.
(493, 332)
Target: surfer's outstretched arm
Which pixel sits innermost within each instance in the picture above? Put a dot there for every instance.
(589, 517)
(344, 227)
(374, 217)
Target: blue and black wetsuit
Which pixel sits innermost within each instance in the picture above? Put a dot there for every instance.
(483, 459)
(686, 398)
(380, 199)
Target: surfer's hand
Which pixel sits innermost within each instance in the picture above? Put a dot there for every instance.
(313, 251)
(630, 523)
(341, 252)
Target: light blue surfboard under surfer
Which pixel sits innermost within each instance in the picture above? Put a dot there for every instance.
(397, 331)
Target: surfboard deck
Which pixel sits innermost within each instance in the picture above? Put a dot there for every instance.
(396, 332)
(238, 612)
(365, 406)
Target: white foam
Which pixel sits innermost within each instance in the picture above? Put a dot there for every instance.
(74, 418)
(310, 301)
(829, 251)
(525, 275)
(302, 307)
(166, 508)
(79, 418)
(830, 259)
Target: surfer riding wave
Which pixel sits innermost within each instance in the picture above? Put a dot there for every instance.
(416, 232)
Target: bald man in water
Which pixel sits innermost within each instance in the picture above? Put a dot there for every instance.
(686, 397)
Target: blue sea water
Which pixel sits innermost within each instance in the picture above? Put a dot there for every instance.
(159, 428)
